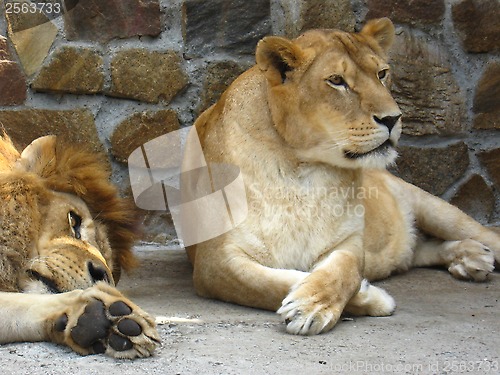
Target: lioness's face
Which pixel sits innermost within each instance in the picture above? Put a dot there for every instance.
(329, 95)
(72, 251)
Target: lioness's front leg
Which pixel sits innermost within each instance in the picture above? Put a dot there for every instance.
(95, 320)
(315, 304)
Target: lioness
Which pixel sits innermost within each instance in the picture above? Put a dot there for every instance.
(64, 237)
(312, 127)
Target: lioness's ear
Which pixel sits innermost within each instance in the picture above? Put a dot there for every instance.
(382, 30)
(39, 156)
(276, 56)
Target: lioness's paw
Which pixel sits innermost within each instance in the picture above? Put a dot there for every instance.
(308, 315)
(101, 320)
(372, 301)
(471, 260)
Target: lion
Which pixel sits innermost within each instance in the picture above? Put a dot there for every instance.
(65, 235)
(312, 127)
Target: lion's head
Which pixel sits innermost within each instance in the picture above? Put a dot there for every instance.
(329, 94)
(62, 224)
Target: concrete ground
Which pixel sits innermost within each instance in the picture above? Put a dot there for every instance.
(441, 326)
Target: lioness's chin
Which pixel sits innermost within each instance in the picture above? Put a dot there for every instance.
(379, 161)
(376, 160)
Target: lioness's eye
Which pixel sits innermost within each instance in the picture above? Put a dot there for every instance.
(75, 223)
(382, 74)
(336, 80)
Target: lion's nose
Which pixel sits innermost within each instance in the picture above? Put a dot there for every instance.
(98, 272)
(387, 121)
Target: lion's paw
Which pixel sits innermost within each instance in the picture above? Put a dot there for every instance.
(101, 320)
(471, 260)
(308, 315)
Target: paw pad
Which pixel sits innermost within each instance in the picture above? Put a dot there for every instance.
(129, 327)
(119, 308)
(119, 343)
(92, 325)
(94, 328)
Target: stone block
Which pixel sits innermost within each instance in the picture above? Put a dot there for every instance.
(12, 84)
(491, 161)
(425, 88)
(487, 99)
(72, 70)
(232, 26)
(147, 76)
(477, 23)
(292, 18)
(415, 12)
(476, 199)
(326, 14)
(433, 169)
(76, 126)
(4, 49)
(12, 80)
(139, 129)
(32, 35)
(219, 75)
(105, 20)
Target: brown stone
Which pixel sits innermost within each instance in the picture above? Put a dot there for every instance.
(433, 169)
(147, 76)
(313, 14)
(12, 79)
(487, 99)
(228, 26)
(476, 199)
(415, 12)
(110, 19)
(76, 126)
(139, 129)
(12, 84)
(219, 75)
(4, 49)
(477, 22)
(327, 14)
(425, 89)
(491, 160)
(73, 70)
(32, 36)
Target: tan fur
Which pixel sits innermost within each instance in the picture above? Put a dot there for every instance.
(63, 228)
(312, 127)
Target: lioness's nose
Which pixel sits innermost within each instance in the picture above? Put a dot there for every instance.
(98, 272)
(387, 121)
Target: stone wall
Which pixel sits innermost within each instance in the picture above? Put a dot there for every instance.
(115, 74)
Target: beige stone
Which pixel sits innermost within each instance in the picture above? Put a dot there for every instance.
(32, 36)
(76, 126)
(147, 76)
(139, 129)
(72, 70)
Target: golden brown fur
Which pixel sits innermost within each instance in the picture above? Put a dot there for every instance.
(311, 128)
(63, 228)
